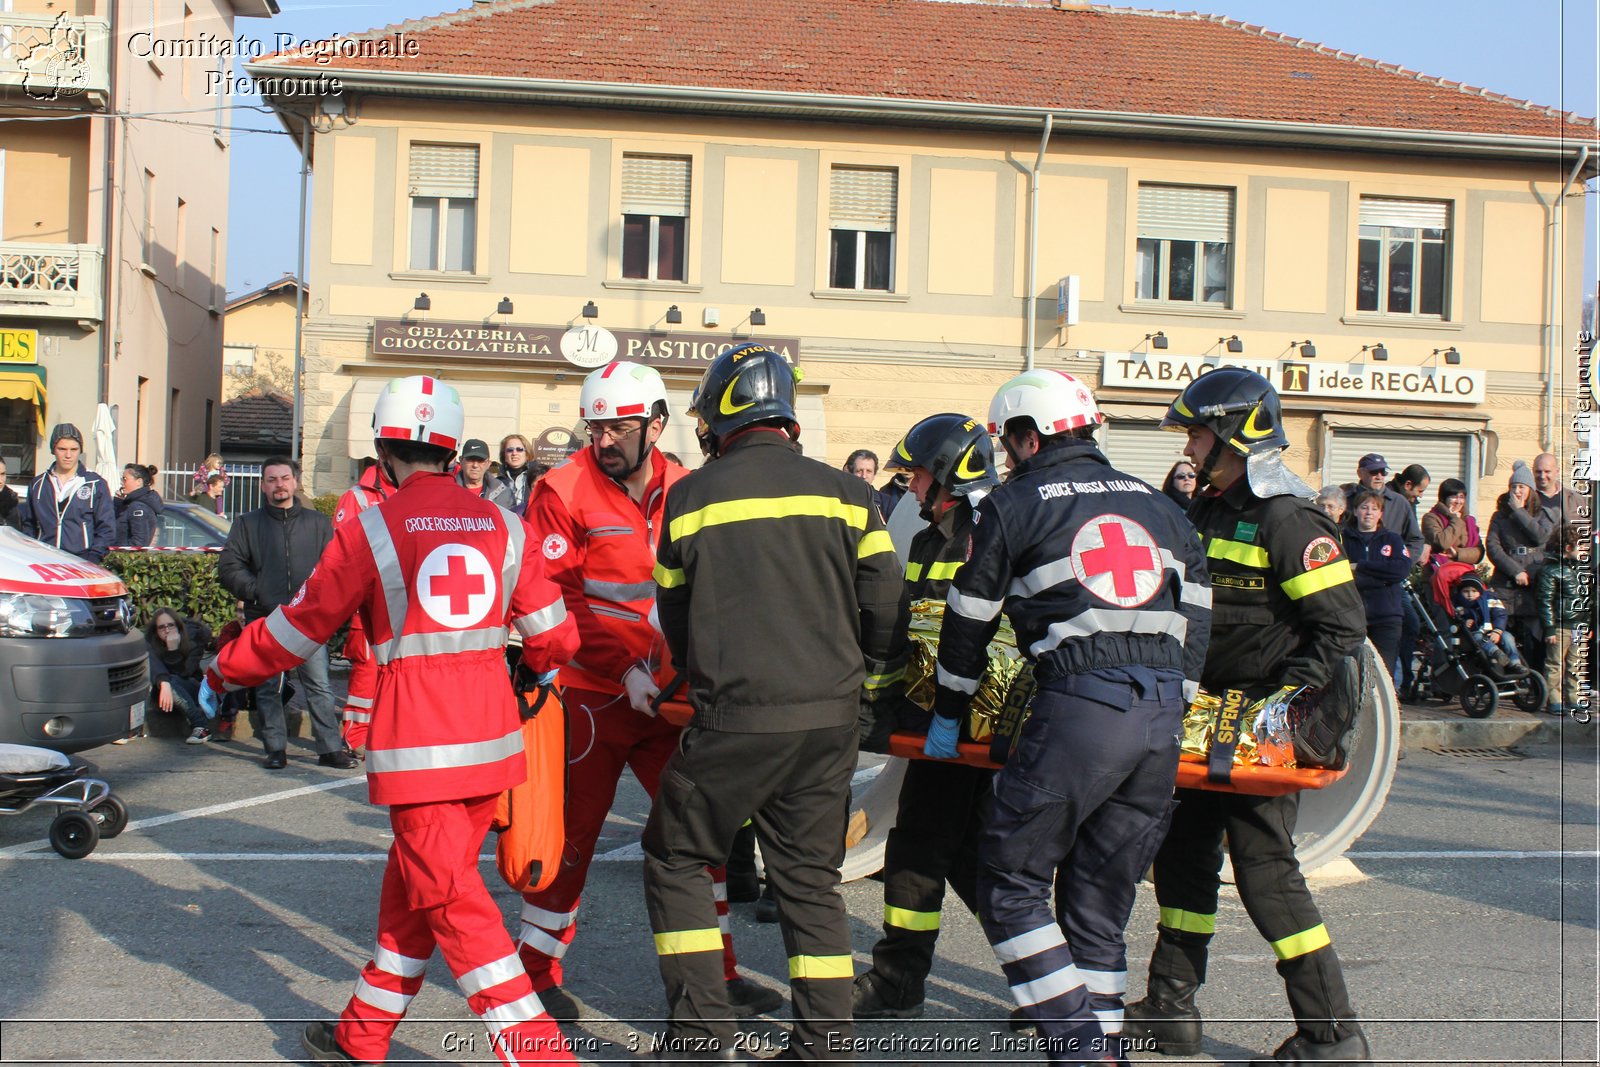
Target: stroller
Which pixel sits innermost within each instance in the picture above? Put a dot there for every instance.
(88, 808)
(1448, 663)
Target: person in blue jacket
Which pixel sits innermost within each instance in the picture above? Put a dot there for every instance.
(139, 507)
(1380, 559)
(69, 505)
(1484, 618)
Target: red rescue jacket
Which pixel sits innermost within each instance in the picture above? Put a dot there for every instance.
(437, 575)
(599, 546)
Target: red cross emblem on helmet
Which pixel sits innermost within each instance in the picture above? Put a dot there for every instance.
(599, 405)
(424, 412)
(1117, 560)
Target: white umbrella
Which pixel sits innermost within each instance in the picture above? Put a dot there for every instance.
(105, 445)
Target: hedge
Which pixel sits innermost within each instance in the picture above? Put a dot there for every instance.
(185, 581)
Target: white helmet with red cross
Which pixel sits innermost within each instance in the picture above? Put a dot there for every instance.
(1053, 399)
(419, 408)
(622, 390)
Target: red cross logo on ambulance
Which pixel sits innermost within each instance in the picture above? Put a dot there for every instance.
(1117, 560)
(455, 585)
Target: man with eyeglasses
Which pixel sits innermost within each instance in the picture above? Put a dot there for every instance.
(598, 518)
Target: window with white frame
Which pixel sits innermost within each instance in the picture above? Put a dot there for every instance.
(1403, 257)
(1185, 245)
(861, 216)
(655, 217)
(444, 207)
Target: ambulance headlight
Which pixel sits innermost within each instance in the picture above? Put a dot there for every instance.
(36, 615)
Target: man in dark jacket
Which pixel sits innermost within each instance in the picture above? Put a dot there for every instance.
(1399, 511)
(781, 600)
(270, 553)
(69, 505)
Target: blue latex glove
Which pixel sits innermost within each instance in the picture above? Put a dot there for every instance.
(548, 678)
(210, 699)
(943, 734)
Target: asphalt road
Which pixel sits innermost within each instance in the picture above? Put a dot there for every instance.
(241, 903)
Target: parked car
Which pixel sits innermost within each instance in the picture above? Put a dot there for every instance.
(73, 671)
(187, 526)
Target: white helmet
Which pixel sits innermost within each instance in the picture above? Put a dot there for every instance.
(1053, 399)
(421, 409)
(621, 390)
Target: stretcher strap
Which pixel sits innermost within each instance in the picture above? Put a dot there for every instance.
(1219, 763)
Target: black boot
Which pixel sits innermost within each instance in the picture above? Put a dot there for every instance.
(767, 906)
(1352, 1048)
(870, 1000)
(1166, 1016)
(744, 885)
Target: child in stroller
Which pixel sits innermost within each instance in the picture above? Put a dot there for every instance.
(1484, 618)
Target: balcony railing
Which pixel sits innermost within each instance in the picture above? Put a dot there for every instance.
(50, 281)
(55, 59)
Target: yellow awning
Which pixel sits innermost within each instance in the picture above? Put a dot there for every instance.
(25, 383)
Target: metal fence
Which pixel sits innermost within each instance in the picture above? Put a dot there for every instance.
(242, 494)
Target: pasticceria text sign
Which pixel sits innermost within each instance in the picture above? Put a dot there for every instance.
(510, 343)
(1371, 381)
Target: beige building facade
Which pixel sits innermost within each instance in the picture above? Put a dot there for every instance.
(258, 339)
(112, 225)
(1412, 286)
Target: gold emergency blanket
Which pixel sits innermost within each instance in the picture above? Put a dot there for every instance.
(1005, 663)
(1200, 726)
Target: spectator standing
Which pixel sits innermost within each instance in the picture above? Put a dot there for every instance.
(10, 502)
(1381, 563)
(209, 496)
(1449, 531)
(202, 475)
(1399, 498)
(1515, 542)
(863, 464)
(176, 647)
(1334, 504)
(517, 473)
(889, 496)
(474, 474)
(1564, 609)
(69, 505)
(1561, 505)
(269, 554)
(1409, 485)
(138, 507)
(1180, 484)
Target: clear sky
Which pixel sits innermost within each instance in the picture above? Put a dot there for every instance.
(1538, 50)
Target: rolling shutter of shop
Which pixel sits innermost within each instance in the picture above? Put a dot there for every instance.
(862, 198)
(1141, 448)
(655, 185)
(1445, 455)
(1185, 213)
(444, 170)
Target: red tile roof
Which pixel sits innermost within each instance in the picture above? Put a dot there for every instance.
(1004, 53)
(261, 417)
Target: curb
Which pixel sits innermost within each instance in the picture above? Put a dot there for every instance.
(1419, 729)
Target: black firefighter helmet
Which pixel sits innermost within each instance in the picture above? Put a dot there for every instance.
(1239, 406)
(748, 383)
(954, 449)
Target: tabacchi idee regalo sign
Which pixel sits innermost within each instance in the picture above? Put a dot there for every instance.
(1374, 381)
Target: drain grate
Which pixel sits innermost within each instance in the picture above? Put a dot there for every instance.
(1481, 753)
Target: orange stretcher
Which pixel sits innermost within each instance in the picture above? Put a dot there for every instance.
(1247, 778)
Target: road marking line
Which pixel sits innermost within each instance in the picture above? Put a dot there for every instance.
(198, 813)
(1475, 854)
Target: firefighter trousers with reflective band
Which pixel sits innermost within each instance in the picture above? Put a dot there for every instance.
(1260, 837)
(1081, 806)
(605, 735)
(934, 840)
(433, 897)
(795, 787)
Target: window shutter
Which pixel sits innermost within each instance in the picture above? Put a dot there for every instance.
(655, 185)
(862, 198)
(1443, 454)
(449, 170)
(1185, 213)
(1405, 214)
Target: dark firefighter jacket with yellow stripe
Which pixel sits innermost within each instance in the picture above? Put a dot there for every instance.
(937, 552)
(1286, 608)
(780, 594)
(1094, 568)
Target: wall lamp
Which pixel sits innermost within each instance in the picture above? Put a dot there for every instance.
(1307, 349)
(590, 311)
(1234, 344)
(1379, 353)
(758, 317)
(1158, 340)
(674, 316)
(504, 307)
(422, 303)
(1451, 356)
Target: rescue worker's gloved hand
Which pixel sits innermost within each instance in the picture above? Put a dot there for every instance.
(641, 689)
(877, 719)
(210, 699)
(943, 734)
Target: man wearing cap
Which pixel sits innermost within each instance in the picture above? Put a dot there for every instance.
(1399, 513)
(473, 474)
(69, 505)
